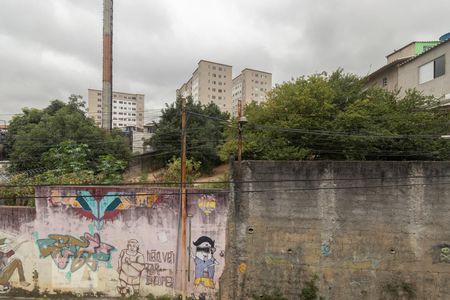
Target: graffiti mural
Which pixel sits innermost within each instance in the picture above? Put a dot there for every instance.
(160, 268)
(87, 250)
(205, 267)
(9, 264)
(131, 265)
(93, 208)
(148, 200)
(441, 253)
(207, 203)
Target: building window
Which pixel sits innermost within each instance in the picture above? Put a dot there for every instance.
(439, 66)
(384, 81)
(432, 70)
(214, 75)
(213, 67)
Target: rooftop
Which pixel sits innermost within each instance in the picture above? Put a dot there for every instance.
(395, 51)
(425, 52)
(211, 62)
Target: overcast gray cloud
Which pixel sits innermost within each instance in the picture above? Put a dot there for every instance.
(52, 48)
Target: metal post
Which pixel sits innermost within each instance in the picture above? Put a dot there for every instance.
(107, 64)
(239, 132)
(183, 199)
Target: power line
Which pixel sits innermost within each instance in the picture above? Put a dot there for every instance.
(245, 181)
(240, 191)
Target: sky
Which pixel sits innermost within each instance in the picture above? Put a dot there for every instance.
(50, 49)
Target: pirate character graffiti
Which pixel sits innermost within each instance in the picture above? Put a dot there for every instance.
(8, 265)
(131, 265)
(204, 262)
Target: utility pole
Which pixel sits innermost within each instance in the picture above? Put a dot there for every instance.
(239, 131)
(183, 200)
(107, 64)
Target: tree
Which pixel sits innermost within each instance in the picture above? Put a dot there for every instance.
(205, 132)
(172, 173)
(37, 131)
(335, 117)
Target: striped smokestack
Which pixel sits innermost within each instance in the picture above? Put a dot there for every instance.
(107, 64)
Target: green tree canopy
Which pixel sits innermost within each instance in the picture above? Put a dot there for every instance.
(37, 131)
(335, 117)
(205, 132)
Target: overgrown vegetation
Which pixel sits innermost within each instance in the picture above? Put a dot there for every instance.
(310, 290)
(272, 296)
(172, 172)
(399, 290)
(335, 117)
(60, 145)
(205, 132)
(34, 133)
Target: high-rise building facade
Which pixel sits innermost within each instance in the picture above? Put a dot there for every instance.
(210, 82)
(127, 109)
(250, 85)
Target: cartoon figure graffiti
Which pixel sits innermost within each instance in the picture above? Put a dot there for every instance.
(131, 265)
(8, 265)
(204, 262)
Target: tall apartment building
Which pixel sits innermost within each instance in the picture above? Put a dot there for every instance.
(210, 82)
(127, 110)
(250, 85)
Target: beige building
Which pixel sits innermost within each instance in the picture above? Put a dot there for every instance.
(250, 85)
(419, 65)
(210, 82)
(127, 110)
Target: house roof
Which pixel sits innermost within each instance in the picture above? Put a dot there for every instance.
(407, 45)
(425, 52)
(384, 68)
(212, 62)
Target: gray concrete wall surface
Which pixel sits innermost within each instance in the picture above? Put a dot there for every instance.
(364, 230)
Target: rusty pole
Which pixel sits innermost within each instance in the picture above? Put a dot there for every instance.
(107, 64)
(239, 132)
(183, 199)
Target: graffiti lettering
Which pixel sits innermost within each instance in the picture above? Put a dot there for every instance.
(166, 281)
(87, 250)
(146, 200)
(158, 256)
(155, 274)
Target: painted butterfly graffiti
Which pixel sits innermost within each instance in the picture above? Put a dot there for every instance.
(106, 208)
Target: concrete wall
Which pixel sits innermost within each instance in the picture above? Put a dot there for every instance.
(367, 230)
(112, 241)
